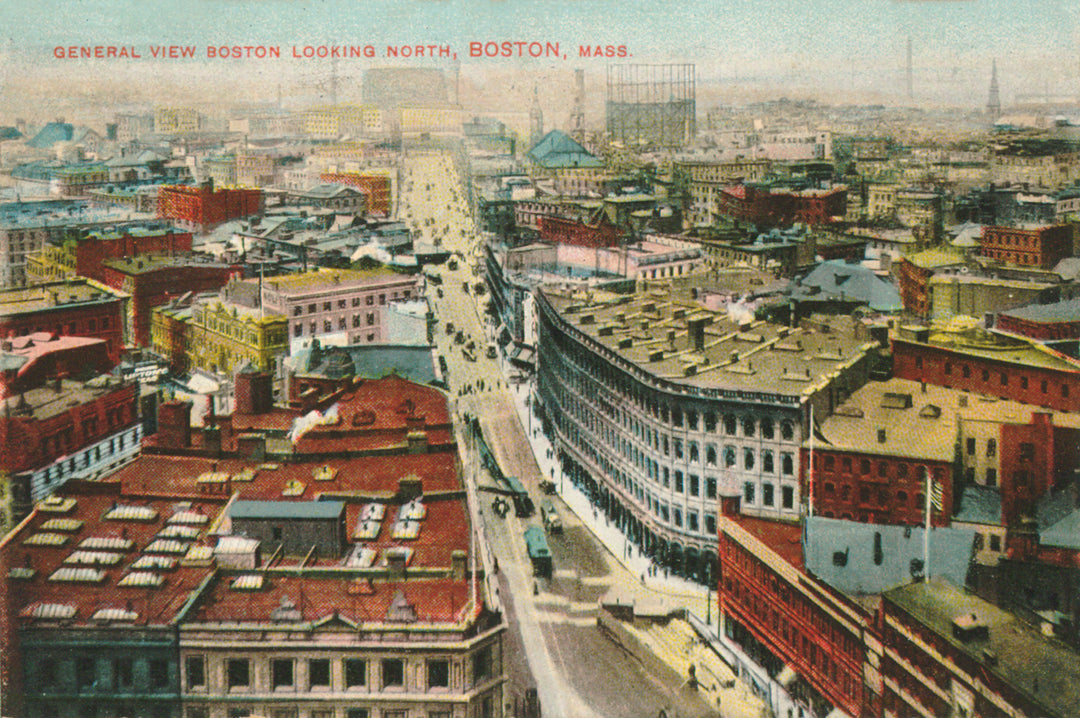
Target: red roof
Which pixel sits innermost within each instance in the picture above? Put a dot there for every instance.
(782, 537)
(155, 606)
(163, 475)
(439, 600)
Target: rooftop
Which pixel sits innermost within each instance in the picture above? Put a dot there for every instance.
(54, 294)
(652, 330)
(918, 420)
(866, 559)
(1040, 668)
(324, 278)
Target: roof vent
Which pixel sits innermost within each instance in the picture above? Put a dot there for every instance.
(969, 628)
(881, 436)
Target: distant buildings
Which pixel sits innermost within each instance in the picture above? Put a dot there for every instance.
(71, 307)
(201, 208)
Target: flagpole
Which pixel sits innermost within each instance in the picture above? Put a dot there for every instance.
(810, 468)
(926, 532)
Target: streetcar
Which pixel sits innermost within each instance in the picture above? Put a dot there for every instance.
(539, 553)
(523, 503)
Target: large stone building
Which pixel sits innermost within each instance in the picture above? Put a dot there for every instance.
(353, 302)
(656, 403)
(140, 595)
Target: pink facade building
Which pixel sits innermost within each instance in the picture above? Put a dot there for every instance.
(337, 301)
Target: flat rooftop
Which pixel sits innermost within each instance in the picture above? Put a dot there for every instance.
(1043, 669)
(651, 330)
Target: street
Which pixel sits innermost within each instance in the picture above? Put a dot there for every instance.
(554, 643)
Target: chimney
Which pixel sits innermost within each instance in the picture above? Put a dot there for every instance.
(395, 563)
(409, 488)
(457, 564)
(881, 436)
(174, 424)
(212, 440)
(696, 328)
(417, 442)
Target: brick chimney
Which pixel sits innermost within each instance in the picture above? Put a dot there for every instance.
(458, 562)
(174, 424)
(395, 563)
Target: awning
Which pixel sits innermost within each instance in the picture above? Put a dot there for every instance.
(523, 355)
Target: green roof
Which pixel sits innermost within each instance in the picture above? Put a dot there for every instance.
(557, 150)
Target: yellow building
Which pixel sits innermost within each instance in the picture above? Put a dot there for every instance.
(337, 120)
(221, 337)
(176, 120)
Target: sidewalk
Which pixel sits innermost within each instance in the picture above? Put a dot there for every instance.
(614, 541)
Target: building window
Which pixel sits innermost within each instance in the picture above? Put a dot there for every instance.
(370, 300)
(710, 487)
(326, 306)
(787, 431)
(370, 318)
(787, 464)
(159, 674)
(729, 424)
(319, 673)
(195, 672)
(695, 485)
(678, 482)
(481, 665)
(85, 672)
(341, 304)
(991, 477)
(327, 325)
(710, 524)
(692, 520)
(393, 673)
(296, 311)
(748, 492)
(787, 496)
(355, 673)
(995, 542)
(767, 496)
(966, 371)
(710, 454)
(123, 673)
(311, 309)
(748, 426)
(677, 516)
(438, 673)
(238, 673)
(748, 459)
(281, 673)
(729, 456)
(766, 428)
(356, 301)
(357, 713)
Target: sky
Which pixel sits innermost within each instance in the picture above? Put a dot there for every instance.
(836, 47)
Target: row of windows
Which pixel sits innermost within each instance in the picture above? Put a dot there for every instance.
(355, 673)
(1002, 377)
(342, 325)
(369, 300)
(90, 674)
(768, 495)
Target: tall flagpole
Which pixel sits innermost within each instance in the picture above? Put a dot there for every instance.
(810, 468)
(926, 532)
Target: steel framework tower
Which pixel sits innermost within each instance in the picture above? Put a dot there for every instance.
(993, 103)
(651, 104)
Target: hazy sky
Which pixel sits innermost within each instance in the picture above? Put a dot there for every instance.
(830, 45)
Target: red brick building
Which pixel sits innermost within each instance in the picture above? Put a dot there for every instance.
(1043, 322)
(96, 247)
(759, 204)
(74, 307)
(598, 233)
(29, 361)
(783, 617)
(202, 208)
(153, 280)
(376, 187)
(948, 652)
(1040, 247)
(1023, 372)
(914, 273)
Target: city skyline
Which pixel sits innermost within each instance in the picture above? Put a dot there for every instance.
(833, 50)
